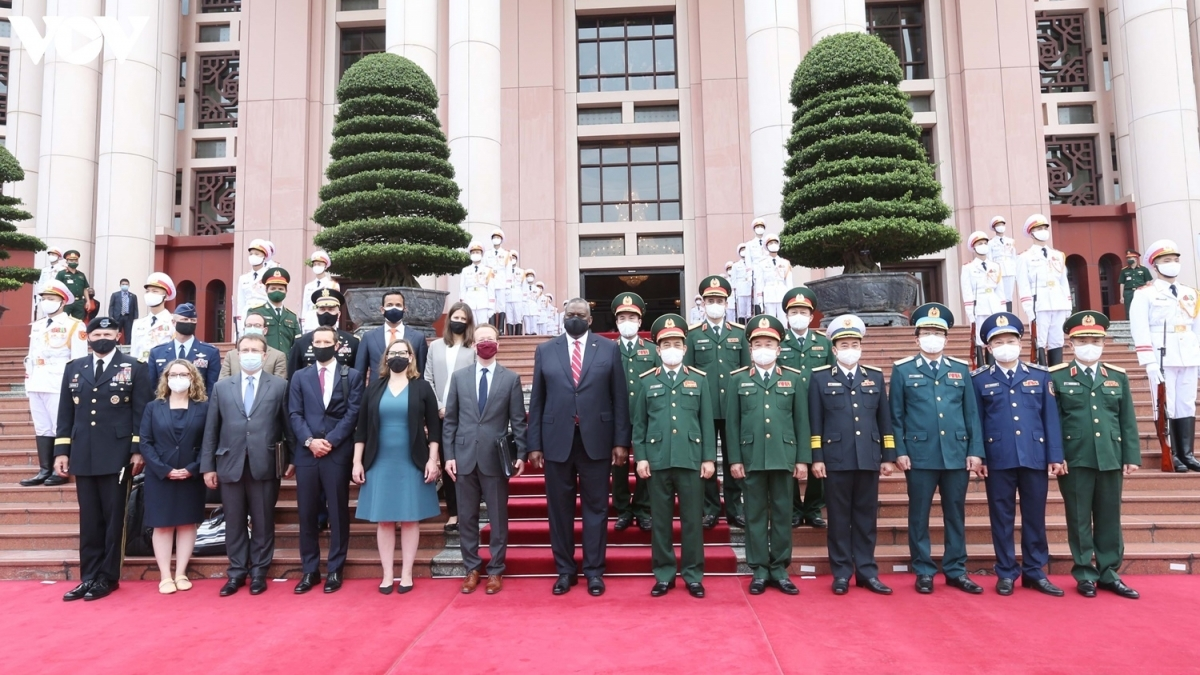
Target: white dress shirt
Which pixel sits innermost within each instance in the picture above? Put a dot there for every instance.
(451, 360)
(187, 346)
(330, 378)
(582, 346)
(491, 368)
(848, 373)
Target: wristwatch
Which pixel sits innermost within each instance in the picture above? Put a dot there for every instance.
(308, 441)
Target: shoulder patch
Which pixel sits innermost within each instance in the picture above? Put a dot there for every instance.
(1059, 367)
(740, 370)
(878, 370)
(958, 360)
(794, 370)
(694, 369)
(903, 360)
(695, 326)
(820, 368)
(648, 372)
(1037, 367)
(736, 325)
(979, 370)
(1119, 369)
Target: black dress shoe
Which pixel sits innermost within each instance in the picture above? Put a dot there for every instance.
(841, 586)
(786, 586)
(231, 586)
(645, 523)
(333, 581)
(623, 522)
(38, 479)
(258, 585)
(78, 592)
(1042, 585)
(964, 583)
(1086, 588)
(564, 583)
(818, 522)
(874, 585)
(306, 583)
(661, 587)
(595, 586)
(54, 480)
(387, 590)
(401, 589)
(709, 522)
(1120, 589)
(757, 586)
(696, 589)
(924, 584)
(738, 520)
(797, 521)
(1004, 586)
(101, 588)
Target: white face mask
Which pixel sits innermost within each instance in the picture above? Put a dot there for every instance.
(764, 357)
(49, 307)
(981, 249)
(628, 329)
(53, 260)
(496, 241)
(671, 357)
(1042, 234)
(529, 280)
(154, 299)
(772, 247)
(799, 322)
(932, 344)
(1169, 269)
(715, 311)
(1006, 353)
(179, 383)
(318, 270)
(1088, 353)
(849, 357)
(742, 253)
(1000, 229)
(256, 259)
(475, 257)
(759, 231)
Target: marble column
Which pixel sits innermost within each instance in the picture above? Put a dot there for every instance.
(24, 136)
(829, 17)
(474, 128)
(412, 32)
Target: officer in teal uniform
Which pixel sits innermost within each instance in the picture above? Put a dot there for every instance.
(935, 421)
(637, 356)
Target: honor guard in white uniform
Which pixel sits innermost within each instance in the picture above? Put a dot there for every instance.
(1002, 251)
(509, 297)
(320, 267)
(730, 308)
(756, 248)
(475, 286)
(775, 274)
(496, 259)
(1044, 289)
(54, 265)
(742, 280)
(697, 313)
(251, 293)
(982, 284)
(54, 339)
(158, 326)
(1164, 319)
(527, 303)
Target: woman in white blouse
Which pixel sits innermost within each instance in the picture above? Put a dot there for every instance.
(452, 352)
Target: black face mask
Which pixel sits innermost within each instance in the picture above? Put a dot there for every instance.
(393, 314)
(103, 346)
(398, 364)
(324, 354)
(458, 327)
(325, 319)
(185, 328)
(575, 326)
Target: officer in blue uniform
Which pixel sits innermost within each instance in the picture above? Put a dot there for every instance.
(204, 356)
(1022, 441)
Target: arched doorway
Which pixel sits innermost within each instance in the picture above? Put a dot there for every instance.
(1110, 286)
(1077, 277)
(185, 291)
(214, 311)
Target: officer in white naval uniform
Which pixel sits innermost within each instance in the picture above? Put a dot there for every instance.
(1002, 251)
(1044, 289)
(251, 292)
(158, 326)
(982, 291)
(320, 267)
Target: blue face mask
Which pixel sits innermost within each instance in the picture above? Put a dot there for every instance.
(125, 287)
(393, 314)
(251, 361)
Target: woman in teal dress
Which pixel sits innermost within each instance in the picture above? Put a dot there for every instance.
(395, 462)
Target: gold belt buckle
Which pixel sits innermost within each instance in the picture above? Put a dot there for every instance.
(1050, 283)
(1181, 329)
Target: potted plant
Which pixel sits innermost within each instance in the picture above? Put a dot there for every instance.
(13, 278)
(390, 212)
(860, 190)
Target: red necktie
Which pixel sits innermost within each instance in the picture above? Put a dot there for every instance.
(321, 377)
(576, 363)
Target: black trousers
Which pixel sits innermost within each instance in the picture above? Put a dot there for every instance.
(330, 481)
(592, 476)
(126, 322)
(101, 525)
(852, 498)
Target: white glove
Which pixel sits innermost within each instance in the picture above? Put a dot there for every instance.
(1030, 314)
(1154, 375)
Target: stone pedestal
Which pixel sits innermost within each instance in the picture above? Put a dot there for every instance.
(422, 307)
(880, 299)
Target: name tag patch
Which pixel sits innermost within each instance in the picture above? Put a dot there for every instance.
(747, 384)
(834, 384)
(989, 385)
(656, 386)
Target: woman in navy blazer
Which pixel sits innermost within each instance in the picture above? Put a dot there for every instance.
(171, 435)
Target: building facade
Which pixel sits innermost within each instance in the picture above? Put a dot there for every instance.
(620, 144)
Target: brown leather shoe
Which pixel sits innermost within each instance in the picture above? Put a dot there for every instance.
(494, 584)
(471, 581)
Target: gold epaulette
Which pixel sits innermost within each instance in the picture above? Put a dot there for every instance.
(958, 360)
(696, 325)
(736, 325)
(648, 372)
(794, 370)
(740, 370)
(1058, 367)
(819, 368)
(1119, 369)
(694, 369)
(904, 360)
(878, 370)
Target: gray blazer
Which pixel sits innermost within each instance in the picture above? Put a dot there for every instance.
(470, 439)
(230, 436)
(435, 367)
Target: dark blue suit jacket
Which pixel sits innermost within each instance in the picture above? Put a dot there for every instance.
(162, 449)
(311, 419)
(373, 344)
(1020, 418)
(600, 402)
(204, 356)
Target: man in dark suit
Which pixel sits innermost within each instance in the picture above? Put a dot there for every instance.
(204, 356)
(323, 402)
(484, 402)
(328, 304)
(123, 308)
(247, 419)
(579, 423)
(99, 412)
(375, 341)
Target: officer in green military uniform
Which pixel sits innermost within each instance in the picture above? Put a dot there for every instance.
(1134, 275)
(1100, 448)
(676, 450)
(283, 326)
(77, 283)
(718, 347)
(637, 356)
(805, 349)
(766, 416)
(939, 440)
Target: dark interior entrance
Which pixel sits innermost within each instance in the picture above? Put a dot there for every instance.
(661, 289)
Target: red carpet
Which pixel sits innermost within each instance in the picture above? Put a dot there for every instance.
(525, 629)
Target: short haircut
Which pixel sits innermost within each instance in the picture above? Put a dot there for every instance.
(123, 281)
(383, 300)
(579, 301)
(260, 316)
(486, 326)
(253, 338)
(326, 329)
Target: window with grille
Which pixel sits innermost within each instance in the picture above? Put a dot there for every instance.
(627, 53)
(1063, 53)
(622, 182)
(901, 25)
(358, 42)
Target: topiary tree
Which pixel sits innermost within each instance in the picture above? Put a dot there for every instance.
(12, 278)
(860, 190)
(391, 210)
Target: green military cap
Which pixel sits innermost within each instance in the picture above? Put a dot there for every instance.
(628, 302)
(70, 253)
(668, 325)
(1132, 253)
(932, 315)
(800, 296)
(276, 275)
(715, 285)
(1086, 324)
(764, 325)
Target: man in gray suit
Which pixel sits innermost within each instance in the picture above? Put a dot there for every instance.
(484, 402)
(247, 418)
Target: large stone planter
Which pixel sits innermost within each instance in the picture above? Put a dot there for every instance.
(880, 299)
(422, 307)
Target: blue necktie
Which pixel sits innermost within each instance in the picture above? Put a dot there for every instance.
(182, 352)
(249, 398)
(482, 391)
(124, 302)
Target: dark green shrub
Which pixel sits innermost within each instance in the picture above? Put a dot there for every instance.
(12, 278)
